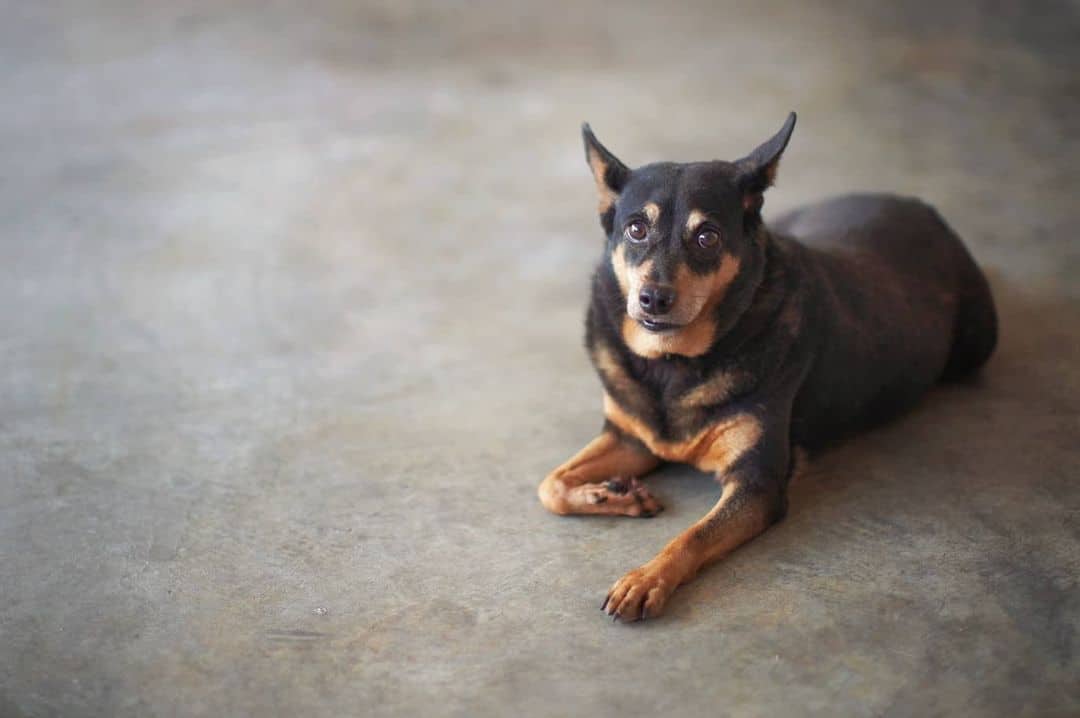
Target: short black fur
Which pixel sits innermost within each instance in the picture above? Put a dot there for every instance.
(879, 300)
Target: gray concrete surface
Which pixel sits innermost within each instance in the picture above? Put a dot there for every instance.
(290, 317)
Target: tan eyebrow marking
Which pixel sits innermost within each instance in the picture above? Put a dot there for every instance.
(694, 220)
(606, 196)
(652, 211)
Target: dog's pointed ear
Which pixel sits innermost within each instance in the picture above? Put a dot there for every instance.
(610, 174)
(757, 171)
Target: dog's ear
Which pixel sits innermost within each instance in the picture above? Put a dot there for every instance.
(610, 175)
(757, 171)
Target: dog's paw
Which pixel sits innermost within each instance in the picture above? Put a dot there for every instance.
(626, 496)
(640, 594)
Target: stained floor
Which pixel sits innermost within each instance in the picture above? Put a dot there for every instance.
(291, 306)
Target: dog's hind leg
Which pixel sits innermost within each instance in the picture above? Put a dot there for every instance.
(601, 479)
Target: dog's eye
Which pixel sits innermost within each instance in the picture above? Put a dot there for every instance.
(708, 238)
(636, 230)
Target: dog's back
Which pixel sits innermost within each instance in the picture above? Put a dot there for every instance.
(893, 302)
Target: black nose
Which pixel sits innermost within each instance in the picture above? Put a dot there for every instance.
(656, 299)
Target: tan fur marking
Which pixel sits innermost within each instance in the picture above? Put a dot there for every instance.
(575, 487)
(618, 264)
(652, 211)
(608, 364)
(770, 171)
(713, 449)
(629, 391)
(695, 338)
(735, 519)
(640, 274)
(694, 220)
(605, 195)
(712, 392)
(726, 442)
(726, 532)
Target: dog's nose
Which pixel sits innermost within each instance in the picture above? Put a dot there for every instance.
(656, 299)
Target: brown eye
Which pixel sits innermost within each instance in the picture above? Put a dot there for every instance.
(708, 238)
(636, 230)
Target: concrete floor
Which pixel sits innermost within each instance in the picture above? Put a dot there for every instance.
(290, 327)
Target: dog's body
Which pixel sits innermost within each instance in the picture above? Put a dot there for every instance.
(731, 346)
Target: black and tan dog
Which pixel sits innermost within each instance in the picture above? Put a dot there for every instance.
(733, 346)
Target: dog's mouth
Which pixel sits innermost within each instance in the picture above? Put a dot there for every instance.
(654, 325)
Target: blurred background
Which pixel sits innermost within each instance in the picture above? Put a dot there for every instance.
(291, 301)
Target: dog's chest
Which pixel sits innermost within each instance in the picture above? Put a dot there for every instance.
(666, 381)
(674, 399)
(687, 419)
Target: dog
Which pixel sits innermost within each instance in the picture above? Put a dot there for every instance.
(737, 347)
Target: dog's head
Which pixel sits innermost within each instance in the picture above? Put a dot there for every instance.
(680, 237)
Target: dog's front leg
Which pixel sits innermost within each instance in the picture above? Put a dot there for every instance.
(601, 479)
(753, 498)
